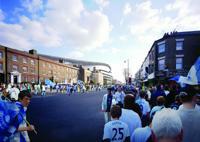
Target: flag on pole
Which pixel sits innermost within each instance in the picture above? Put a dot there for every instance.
(194, 73)
(49, 82)
(193, 77)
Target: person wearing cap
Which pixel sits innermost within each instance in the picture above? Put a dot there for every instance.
(167, 126)
(189, 115)
(106, 104)
(116, 130)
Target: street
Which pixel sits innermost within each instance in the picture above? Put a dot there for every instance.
(62, 118)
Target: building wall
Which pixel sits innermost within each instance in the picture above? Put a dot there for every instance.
(107, 79)
(2, 64)
(97, 78)
(87, 75)
(23, 60)
(32, 68)
(57, 72)
(190, 52)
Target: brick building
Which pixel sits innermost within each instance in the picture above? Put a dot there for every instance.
(20, 66)
(56, 71)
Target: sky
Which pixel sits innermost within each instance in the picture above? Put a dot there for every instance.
(108, 31)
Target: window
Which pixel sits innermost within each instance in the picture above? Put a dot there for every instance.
(32, 71)
(24, 60)
(161, 64)
(1, 66)
(33, 80)
(25, 69)
(43, 72)
(15, 68)
(32, 62)
(25, 79)
(161, 48)
(14, 58)
(179, 63)
(43, 64)
(179, 45)
(1, 54)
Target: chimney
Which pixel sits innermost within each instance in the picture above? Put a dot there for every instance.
(33, 52)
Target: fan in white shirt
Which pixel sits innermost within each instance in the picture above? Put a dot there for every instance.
(129, 116)
(116, 130)
(119, 96)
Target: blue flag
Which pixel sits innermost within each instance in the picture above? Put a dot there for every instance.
(193, 77)
(194, 73)
(9, 122)
(49, 82)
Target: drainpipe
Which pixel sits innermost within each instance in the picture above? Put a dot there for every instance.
(38, 70)
(6, 65)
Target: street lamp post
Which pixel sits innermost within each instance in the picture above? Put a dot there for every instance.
(126, 71)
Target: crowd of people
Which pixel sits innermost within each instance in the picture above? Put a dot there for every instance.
(13, 124)
(12, 90)
(152, 114)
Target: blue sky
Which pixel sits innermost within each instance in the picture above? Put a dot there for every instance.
(109, 31)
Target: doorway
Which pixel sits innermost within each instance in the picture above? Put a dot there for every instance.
(15, 79)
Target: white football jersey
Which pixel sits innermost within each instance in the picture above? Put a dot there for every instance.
(144, 106)
(116, 131)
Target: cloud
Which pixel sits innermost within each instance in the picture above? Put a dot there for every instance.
(63, 24)
(8, 36)
(188, 14)
(114, 50)
(102, 3)
(187, 7)
(123, 38)
(151, 20)
(117, 72)
(1, 15)
(75, 54)
(33, 6)
(148, 23)
(127, 9)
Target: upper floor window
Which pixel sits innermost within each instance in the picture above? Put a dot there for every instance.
(25, 69)
(161, 48)
(179, 63)
(32, 62)
(161, 64)
(24, 60)
(1, 54)
(1, 66)
(179, 44)
(25, 78)
(33, 80)
(14, 58)
(32, 70)
(15, 68)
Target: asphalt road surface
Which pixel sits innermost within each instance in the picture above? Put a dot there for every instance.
(62, 118)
